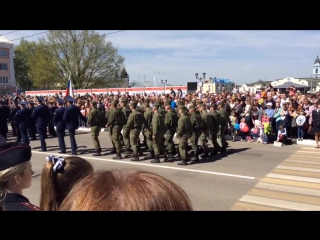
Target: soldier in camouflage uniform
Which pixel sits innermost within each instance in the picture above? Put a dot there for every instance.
(216, 127)
(224, 125)
(171, 123)
(115, 122)
(196, 122)
(147, 130)
(183, 134)
(180, 104)
(158, 131)
(206, 129)
(125, 109)
(134, 124)
(144, 105)
(95, 121)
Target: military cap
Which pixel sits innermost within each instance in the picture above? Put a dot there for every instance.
(51, 100)
(180, 103)
(193, 102)
(23, 103)
(168, 103)
(60, 101)
(12, 154)
(124, 101)
(31, 102)
(184, 108)
(157, 104)
(200, 102)
(70, 99)
(40, 99)
(147, 101)
(133, 103)
(191, 107)
(203, 105)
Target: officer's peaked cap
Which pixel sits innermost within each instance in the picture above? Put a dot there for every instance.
(12, 154)
(70, 99)
(23, 103)
(60, 101)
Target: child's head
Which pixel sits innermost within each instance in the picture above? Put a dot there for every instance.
(302, 113)
(58, 177)
(265, 115)
(233, 113)
(243, 120)
(281, 127)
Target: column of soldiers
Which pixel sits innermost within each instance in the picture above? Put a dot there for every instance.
(125, 121)
(158, 125)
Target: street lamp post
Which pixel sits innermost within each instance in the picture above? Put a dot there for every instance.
(164, 82)
(200, 83)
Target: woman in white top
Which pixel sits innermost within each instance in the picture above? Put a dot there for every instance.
(247, 112)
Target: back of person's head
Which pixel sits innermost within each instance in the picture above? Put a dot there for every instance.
(58, 177)
(126, 191)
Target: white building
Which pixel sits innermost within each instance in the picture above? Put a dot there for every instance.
(308, 83)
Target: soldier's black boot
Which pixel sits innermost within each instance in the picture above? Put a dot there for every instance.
(118, 156)
(168, 157)
(156, 160)
(183, 162)
(206, 154)
(97, 153)
(127, 151)
(149, 156)
(113, 151)
(135, 158)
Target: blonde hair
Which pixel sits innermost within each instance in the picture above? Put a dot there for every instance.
(55, 186)
(7, 174)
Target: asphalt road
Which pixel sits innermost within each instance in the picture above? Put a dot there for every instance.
(222, 182)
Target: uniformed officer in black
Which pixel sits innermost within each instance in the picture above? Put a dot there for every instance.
(41, 115)
(70, 116)
(14, 125)
(52, 108)
(60, 125)
(12, 154)
(23, 118)
(32, 125)
(3, 119)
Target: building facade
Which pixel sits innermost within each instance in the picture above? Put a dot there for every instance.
(216, 85)
(7, 78)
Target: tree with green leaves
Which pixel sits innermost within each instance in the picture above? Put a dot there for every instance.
(124, 73)
(22, 53)
(91, 61)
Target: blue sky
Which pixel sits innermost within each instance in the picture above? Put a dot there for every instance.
(241, 56)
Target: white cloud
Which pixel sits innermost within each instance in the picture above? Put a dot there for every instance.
(242, 56)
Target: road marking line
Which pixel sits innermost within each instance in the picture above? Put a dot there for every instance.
(312, 159)
(243, 206)
(299, 169)
(314, 152)
(296, 173)
(292, 197)
(298, 190)
(295, 178)
(303, 165)
(291, 183)
(279, 203)
(150, 165)
(302, 161)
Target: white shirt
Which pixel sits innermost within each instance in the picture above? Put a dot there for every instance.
(283, 101)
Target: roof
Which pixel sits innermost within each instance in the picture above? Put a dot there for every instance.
(317, 60)
(222, 80)
(289, 84)
(4, 40)
(144, 84)
(259, 82)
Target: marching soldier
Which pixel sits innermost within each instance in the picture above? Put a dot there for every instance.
(115, 122)
(134, 124)
(14, 125)
(206, 129)
(158, 131)
(144, 106)
(196, 122)
(147, 130)
(125, 132)
(95, 121)
(41, 116)
(32, 125)
(23, 119)
(171, 123)
(71, 117)
(183, 134)
(216, 120)
(60, 125)
(224, 125)
(52, 108)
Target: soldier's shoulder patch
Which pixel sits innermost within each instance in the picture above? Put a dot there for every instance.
(29, 205)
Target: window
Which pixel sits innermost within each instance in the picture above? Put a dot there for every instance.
(3, 53)
(5, 92)
(3, 79)
(3, 66)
